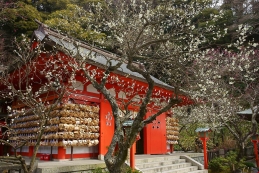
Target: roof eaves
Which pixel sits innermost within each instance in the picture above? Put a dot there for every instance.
(45, 32)
(247, 111)
(206, 129)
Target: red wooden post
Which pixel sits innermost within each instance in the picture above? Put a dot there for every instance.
(30, 153)
(256, 152)
(204, 136)
(132, 156)
(204, 141)
(61, 153)
(132, 153)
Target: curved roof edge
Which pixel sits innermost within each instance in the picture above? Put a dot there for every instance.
(101, 56)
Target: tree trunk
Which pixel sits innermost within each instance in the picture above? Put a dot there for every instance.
(115, 163)
(241, 150)
(36, 147)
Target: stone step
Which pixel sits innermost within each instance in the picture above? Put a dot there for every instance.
(199, 171)
(156, 159)
(161, 163)
(182, 170)
(186, 166)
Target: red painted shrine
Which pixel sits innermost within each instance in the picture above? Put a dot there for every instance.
(83, 125)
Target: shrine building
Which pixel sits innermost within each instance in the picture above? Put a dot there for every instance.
(83, 125)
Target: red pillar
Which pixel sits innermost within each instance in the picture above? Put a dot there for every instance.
(132, 156)
(204, 140)
(256, 152)
(61, 153)
(106, 128)
(30, 153)
(132, 153)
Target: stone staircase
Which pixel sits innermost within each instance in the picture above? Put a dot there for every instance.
(169, 164)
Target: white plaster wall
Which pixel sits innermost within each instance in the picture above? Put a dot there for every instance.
(112, 92)
(91, 89)
(78, 85)
(136, 98)
(24, 149)
(46, 149)
(122, 95)
(82, 149)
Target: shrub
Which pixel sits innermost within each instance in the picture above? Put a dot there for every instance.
(228, 164)
(218, 165)
(249, 164)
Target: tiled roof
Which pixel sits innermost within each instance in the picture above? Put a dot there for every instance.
(99, 56)
(247, 111)
(206, 129)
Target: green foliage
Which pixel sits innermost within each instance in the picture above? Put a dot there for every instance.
(223, 139)
(217, 165)
(204, 17)
(226, 164)
(50, 5)
(187, 138)
(74, 21)
(129, 170)
(63, 15)
(249, 164)
(19, 20)
(203, 20)
(200, 2)
(85, 2)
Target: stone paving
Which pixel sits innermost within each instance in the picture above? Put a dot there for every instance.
(85, 164)
(82, 165)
